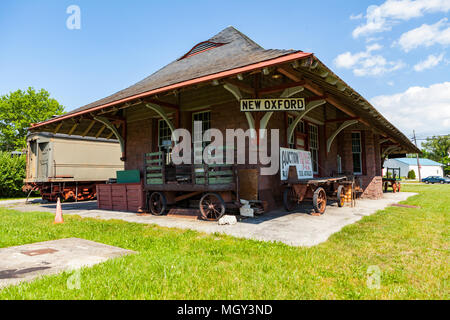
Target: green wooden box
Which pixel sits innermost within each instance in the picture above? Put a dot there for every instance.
(128, 176)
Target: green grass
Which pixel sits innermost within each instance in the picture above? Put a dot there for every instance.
(410, 246)
(19, 198)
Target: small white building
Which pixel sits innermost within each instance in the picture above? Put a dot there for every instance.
(427, 167)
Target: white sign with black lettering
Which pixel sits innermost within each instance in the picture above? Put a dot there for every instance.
(269, 105)
(298, 158)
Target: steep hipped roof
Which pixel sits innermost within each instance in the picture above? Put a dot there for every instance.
(422, 161)
(237, 51)
(228, 54)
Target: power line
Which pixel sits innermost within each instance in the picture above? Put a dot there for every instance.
(417, 156)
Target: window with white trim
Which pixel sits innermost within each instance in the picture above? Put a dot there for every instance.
(291, 141)
(165, 139)
(314, 146)
(205, 118)
(356, 152)
(300, 128)
(164, 136)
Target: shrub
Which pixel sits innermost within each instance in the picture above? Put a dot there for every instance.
(12, 173)
(411, 175)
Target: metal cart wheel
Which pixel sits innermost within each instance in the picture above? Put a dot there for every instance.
(157, 203)
(290, 199)
(341, 196)
(212, 206)
(394, 187)
(320, 200)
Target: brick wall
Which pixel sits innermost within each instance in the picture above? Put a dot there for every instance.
(139, 142)
(141, 138)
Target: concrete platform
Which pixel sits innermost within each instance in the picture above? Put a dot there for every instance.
(27, 262)
(296, 229)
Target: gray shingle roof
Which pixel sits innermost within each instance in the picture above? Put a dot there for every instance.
(238, 51)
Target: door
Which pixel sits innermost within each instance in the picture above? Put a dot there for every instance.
(43, 160)
(300, 141)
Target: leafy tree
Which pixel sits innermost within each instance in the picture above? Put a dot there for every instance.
(12, 173)
(437, 148)
(21, 108)
(411, 174)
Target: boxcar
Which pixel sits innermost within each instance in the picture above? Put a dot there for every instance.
(69, 167)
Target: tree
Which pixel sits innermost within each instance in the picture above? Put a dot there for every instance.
(411, 174)
(437, 148)
(12, 173)
(21, 108)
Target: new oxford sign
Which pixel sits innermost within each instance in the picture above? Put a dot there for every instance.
(281, 104)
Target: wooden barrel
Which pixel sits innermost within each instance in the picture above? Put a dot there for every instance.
(348, 194)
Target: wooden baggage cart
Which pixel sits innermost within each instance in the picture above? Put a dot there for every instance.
(319, 190)
(215, 186)
(392, 180)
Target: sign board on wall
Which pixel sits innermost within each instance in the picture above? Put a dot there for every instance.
(298, 158)
(282, 104)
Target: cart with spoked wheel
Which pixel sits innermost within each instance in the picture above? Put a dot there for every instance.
(392, 180)
(318, 190)
(213, 186)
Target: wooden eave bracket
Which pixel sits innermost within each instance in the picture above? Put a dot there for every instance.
(288, 92)
(338, 130)
(310, 106)
(234, 90)
(114, 130)
(160, 111)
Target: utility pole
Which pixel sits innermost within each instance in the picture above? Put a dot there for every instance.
(417, 156)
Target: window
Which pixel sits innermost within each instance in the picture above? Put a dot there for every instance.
(314, 146)
(356, 151)
(202, 46)
(291, 144)
(339, 164)
(300, 128)
(205, 118)
(164, 136)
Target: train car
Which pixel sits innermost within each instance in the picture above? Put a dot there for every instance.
(69, 167)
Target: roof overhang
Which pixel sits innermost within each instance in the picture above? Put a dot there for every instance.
(228, 73)
(327, 79)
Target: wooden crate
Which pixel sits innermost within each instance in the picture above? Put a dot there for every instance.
(120, 196)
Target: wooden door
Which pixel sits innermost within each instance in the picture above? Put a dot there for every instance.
(300, 141)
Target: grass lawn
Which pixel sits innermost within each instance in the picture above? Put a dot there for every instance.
(409, 246)
(19, 198)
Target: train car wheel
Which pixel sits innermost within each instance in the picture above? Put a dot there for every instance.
(320, 200)
(157, 203)
(212, 206)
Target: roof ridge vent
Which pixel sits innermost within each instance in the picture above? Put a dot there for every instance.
(202, 47)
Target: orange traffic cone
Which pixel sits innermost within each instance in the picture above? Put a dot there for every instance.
(58, 216)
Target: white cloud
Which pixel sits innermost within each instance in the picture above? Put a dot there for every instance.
(423, 109)
(426, 35)
(431, 62)
(381, 18)
(374, 47)
(367, 64)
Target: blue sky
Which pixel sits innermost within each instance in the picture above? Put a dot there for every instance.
(395, 52)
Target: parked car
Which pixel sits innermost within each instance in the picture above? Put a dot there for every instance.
(436, 179)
